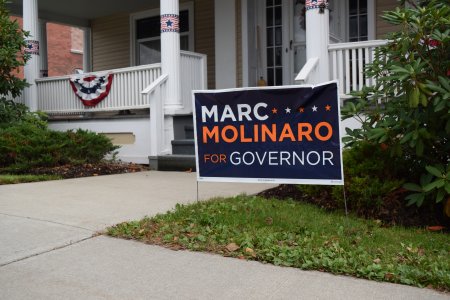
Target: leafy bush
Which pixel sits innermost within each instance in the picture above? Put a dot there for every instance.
(408, 110)
(13, 113)
(87, 146)
(25, 140)
(24, 146)
(370, 175)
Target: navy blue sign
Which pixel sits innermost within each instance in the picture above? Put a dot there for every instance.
(285, 134)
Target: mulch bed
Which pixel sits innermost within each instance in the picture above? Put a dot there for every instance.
(85, 170)
(393, 211)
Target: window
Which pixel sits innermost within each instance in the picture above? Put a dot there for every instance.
(147, 35)
(358, 20)
(274, 32)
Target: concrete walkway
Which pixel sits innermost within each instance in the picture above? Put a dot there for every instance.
(49, 248)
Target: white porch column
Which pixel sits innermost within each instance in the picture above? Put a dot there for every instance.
(170, 52)
(317, 38)
(31, 70)
(43, 48)
(87, 50)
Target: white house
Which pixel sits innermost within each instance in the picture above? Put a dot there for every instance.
(160, 50)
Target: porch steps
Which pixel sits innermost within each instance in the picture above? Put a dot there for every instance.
(183, 148)
(189, 131)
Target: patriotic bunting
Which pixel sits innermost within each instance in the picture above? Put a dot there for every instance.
(91, 89)
(312, 4)
(32, 47)
(170, 23)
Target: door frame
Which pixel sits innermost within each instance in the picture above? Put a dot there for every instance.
(288, 35)
(261, 40)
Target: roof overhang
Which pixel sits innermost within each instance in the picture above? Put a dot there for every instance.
(81, 12)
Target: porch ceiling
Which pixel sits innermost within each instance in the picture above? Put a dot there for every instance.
(80, 12)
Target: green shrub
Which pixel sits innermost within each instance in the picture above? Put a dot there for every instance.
(13, 113)
(370, 175)
(408, 110)
(24, 146)
(87, 146)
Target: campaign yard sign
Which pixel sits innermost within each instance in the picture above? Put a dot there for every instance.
(286, 134)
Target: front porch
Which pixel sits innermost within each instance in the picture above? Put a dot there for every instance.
(149, 109)
(55, 96)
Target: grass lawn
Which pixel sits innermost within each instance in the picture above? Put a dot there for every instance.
(11, 179)
(293, 234)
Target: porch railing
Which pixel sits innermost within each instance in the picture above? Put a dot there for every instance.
(347, 62)
(55, 95)
(193, 76)
(20, 99)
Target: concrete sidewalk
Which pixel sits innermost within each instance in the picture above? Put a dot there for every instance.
(49, 248)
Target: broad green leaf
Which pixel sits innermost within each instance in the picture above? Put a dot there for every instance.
(445, 82)
(436, 88)
(435, 171)
(440, 195)
(440, 106)
(412, 187)
(431, 186)
(423, 99)
(447, 187)
(406, 137)
(415, 199)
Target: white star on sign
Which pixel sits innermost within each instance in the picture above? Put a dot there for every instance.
(314, 108)
(288, 110)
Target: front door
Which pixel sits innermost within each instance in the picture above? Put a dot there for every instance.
(298, 37)
(285, 38)
(277, 49)
(285, 33)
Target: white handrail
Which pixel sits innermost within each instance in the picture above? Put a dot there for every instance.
(151, 88)
(115, 71)
(356, 45)
(156, 91)
(307, 69)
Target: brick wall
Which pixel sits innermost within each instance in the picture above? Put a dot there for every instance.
(61, 59)
(77, 39)
(19, 70)
(61, 40)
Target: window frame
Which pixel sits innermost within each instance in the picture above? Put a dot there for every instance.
(371, 20)
(189, 6)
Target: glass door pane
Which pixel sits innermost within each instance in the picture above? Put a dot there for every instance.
(299, 35)
(274, 44)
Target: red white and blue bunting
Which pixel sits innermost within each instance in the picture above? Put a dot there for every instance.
(32, 47)
(313, 4)
(170, 23)
(91, 89)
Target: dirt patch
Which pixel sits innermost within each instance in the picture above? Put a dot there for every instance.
(393, 210)
(86, 170)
